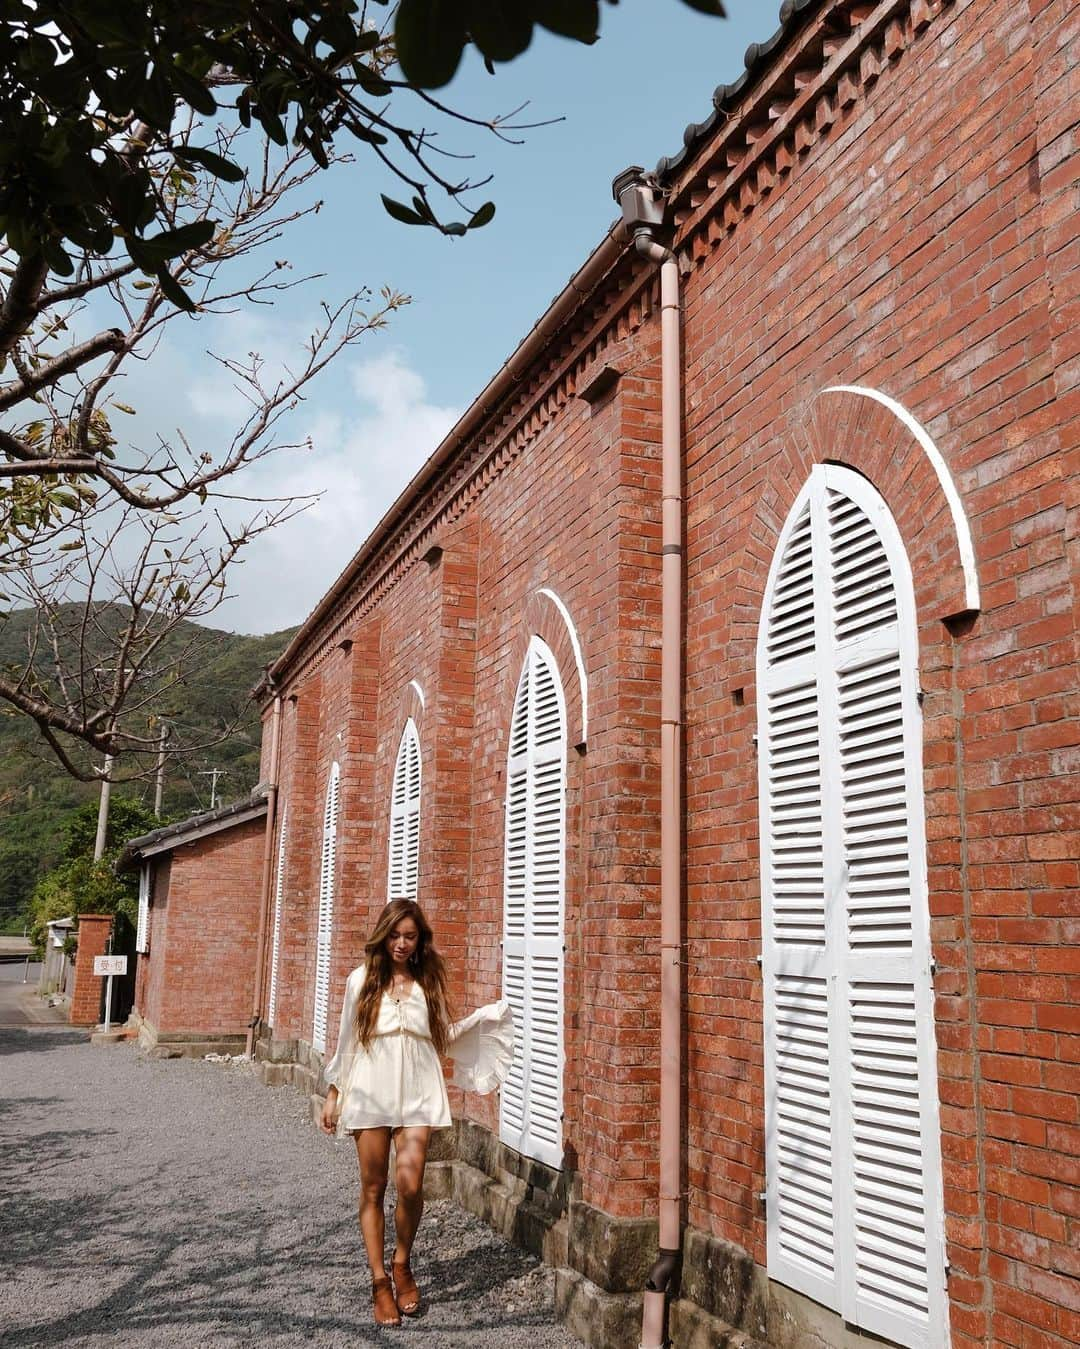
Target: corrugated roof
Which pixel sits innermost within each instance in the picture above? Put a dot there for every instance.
(171, 836)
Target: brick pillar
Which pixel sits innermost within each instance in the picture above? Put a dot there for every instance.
(94, 929)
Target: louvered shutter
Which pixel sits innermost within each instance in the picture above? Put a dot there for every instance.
(142, 926)
(275, 940)
(404, 868)
(324, 940)
(531, 1104)
(852, 1133)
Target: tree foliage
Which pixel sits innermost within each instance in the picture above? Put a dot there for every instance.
(88, 111)
(151, 157)
(78, 884)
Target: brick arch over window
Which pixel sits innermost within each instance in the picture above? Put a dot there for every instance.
(870, 432)
(411, 704)
(547, 617)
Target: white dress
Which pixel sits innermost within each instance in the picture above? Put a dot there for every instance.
(398, 1081)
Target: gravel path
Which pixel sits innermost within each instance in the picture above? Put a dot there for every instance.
(145, 1202)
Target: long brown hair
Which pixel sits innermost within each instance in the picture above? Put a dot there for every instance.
(425, 965)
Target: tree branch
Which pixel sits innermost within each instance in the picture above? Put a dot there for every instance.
(21, 302)
(47, 374)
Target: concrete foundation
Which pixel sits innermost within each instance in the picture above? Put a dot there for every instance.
(182, 1044)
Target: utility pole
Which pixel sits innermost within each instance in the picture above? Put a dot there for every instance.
(103, 810)
(159, 776)
(213, 774)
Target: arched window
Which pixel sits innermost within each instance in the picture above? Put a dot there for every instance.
(531, 1104)
(405, 818)
(855, 1213)
(326, 910)
(275, 940)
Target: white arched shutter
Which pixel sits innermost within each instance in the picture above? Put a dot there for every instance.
(405, 818)
(852, 1134)
(531, 1098)
(275, 940)
(326, 910)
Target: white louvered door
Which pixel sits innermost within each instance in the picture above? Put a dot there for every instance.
(324, 942)
(852, 1133)
(404, 868)
(275, 941)
(531, 1104)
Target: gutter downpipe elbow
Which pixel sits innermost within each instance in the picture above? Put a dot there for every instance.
(267, 869)
(664, 1271)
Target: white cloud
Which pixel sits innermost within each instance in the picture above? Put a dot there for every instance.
(365, 452)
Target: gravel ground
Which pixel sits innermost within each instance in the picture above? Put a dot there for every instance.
(145, 1202)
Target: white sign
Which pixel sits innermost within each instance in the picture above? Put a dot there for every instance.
(110, 965)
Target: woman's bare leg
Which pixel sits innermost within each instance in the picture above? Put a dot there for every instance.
(373, 1153)
(411, 1149)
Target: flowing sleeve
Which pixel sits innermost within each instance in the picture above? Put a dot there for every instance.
(337, 1070)
(482, 1047)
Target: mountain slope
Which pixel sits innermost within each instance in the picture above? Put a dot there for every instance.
(36, 795)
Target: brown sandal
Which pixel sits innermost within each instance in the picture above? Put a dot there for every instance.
(408, 1295)
(384, 1307)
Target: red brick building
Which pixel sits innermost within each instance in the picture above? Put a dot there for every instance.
(878, 393)
(197, 930)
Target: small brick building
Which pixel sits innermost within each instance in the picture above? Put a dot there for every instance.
(879, 274)
(199, 886)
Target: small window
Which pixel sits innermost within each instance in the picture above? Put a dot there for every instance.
(142, 930)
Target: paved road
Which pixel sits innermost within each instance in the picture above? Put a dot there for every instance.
(19, 1002)
(156, 1203)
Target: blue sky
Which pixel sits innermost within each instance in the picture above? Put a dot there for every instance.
(377, 414)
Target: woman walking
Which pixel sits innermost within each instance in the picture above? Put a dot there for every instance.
(386, 1083)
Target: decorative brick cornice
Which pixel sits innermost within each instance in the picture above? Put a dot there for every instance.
(824, 71)
(617, 311)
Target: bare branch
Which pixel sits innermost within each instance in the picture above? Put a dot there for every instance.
(52, 371)
(20, 306)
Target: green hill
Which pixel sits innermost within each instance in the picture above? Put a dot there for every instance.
(36, 795)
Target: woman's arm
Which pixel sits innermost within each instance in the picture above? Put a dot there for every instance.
(328, 1118)
(337, 1069)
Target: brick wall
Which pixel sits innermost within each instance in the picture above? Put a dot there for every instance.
(911, 235)
(86, 991)
(198, 976)
(909, 251)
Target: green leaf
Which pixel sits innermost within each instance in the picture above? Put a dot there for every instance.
(401, 212)
(171, 243)
(430, 37)
(156, 100)
(455, 229)
(193, 91)
(210, 160)
(172, 290)
(501, 29)
(577, 19)
(483, 216)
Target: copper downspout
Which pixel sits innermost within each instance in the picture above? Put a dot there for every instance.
(267, 871)
(643, 212)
